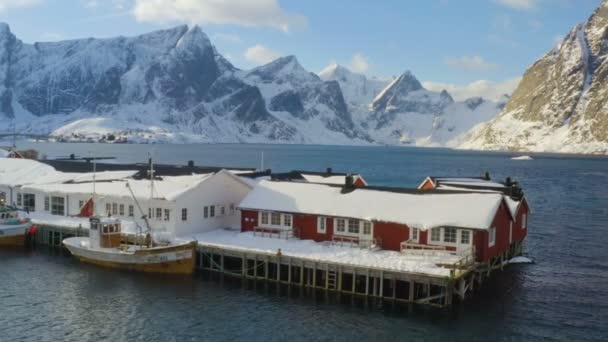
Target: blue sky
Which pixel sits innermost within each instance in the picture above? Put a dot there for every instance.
(454, 44)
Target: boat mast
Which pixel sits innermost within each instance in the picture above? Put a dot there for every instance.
(94, 178)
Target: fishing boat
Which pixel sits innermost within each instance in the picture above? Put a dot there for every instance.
(13, 229)
(105, 245)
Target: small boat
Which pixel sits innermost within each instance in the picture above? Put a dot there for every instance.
(104, 247)
(13, 229)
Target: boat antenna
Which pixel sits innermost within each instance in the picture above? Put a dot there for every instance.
(94, 181)
(14, 136)
(262, 162)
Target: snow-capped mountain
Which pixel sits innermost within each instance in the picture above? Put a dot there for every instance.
(402, 111)
(172, 85)
(166, 85)
(560, 104)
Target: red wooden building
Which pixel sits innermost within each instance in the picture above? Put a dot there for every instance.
(489, 223)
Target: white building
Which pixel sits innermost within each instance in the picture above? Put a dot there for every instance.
(181, 205)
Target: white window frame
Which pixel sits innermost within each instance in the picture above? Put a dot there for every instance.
(461, 234)
(167, 214)
(524, 221)
(440, 238)
(19, 199)
(491, 236)
(337, 230)
(56, 203)
(26, 202)
(346, 231)
(121, 209)
(415, 235)
(184, 214)
(131, 211)
(285, 220)
(322, 225)
(47, 203)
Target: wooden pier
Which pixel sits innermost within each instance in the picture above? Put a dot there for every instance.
(385, 284)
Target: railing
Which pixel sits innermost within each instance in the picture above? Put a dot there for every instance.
(355, 242)
(410, 245)
(274, 233)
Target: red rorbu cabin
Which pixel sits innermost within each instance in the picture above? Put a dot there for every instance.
(487, 223)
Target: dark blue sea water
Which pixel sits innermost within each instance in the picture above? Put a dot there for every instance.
(47, 296)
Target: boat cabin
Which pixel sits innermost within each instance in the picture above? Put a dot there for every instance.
(105, 232)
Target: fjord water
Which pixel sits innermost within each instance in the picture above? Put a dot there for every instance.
(48, 296)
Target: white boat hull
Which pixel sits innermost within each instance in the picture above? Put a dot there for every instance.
(175, 258)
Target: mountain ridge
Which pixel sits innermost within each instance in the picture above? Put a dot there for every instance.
(173, 85)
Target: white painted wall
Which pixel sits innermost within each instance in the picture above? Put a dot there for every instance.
(220, 189)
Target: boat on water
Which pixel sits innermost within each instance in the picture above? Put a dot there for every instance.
(105, 247)
(13, 228)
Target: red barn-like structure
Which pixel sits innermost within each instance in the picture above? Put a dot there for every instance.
(489, 219)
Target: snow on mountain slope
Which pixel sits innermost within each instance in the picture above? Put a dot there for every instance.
(173, 86)
(402, 111)
(561, 104)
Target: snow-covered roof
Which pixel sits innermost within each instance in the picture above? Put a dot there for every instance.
(168, 188)
(17, 172)
(466, 181)
(419, 210)
(333, 179)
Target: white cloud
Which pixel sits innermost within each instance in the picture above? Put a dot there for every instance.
(227, 37)
(519, 4)
(259, 54)
(470, 63)
(8, 4)
(258, 13)
(484, 88)
(359, 63)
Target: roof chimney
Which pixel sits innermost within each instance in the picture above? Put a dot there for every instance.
(487, 176)
(190, 163)
(329, 171)
(349, 182)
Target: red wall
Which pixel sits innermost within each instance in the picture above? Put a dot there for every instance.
(391, 235)
(519, 233)
(501, 223)
(249, 220)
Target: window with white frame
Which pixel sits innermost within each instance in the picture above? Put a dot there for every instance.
(167, 216)
(57, 205)
(322, 225)
(121, 209)
(436, 235)
(491, 236)
(206, 212)
(465, 237)
(150, 213)
(47, 203)
(340, 225)
(524, 221)
(114, 208)
(353, 226)
(212, 211)
(108, 208)
(19, 200)
(264, 218)
(29, 202)
(275, 219)
(184, 214)
(159, 213)
(222, 210)
(367, 228)
(131, 211)
(449, 234)
(415, 233)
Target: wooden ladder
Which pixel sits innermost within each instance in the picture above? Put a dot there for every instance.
(331, 280)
